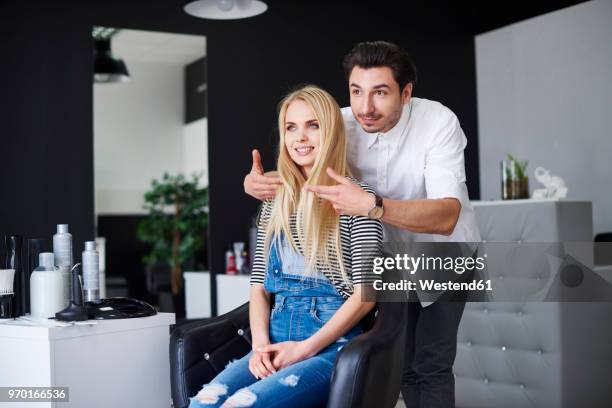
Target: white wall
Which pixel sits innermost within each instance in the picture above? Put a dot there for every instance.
(195, 149)
(139, 134)
(545, 95)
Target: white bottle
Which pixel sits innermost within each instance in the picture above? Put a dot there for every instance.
(91, 273)
(62, 251)
(238, 248)
(101, 247)
(46, 288)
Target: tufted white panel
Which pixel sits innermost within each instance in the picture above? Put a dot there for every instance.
(534, 354)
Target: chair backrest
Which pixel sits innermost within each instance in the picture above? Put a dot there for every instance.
(368, 370)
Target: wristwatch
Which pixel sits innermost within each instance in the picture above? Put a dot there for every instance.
(376, 212)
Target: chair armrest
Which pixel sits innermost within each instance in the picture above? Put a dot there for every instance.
(368, 369)
(200, 350)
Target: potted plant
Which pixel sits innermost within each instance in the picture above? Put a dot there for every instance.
(176, 225)
(515, 182)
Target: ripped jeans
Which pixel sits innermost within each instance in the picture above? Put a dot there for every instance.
(302, 305)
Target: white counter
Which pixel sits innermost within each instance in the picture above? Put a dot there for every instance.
(106, 363)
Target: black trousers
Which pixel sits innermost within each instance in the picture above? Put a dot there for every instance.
(431, 346)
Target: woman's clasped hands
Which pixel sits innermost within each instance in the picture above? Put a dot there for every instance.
(268, 359)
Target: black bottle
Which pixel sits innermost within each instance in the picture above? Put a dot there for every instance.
(13, 261)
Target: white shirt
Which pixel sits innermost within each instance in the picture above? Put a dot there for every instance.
(420, 157)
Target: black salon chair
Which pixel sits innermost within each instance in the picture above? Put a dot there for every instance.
(367, 372)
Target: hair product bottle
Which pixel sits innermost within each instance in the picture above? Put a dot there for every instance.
(91, 273)
(230, 261)
(245, 269)
(101, 248)
(62, 251)
(46, 288)
(238, 248)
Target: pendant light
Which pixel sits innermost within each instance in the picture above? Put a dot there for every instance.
(108, 69)
(225, 9)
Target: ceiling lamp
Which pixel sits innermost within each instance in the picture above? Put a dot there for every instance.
(108, 69)
(225, 9)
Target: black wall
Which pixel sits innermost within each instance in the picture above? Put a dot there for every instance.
(195, 90)
(46, 91)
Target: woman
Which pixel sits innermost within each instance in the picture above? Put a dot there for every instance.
(314, 261)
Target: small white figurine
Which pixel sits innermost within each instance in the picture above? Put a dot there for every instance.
(554, 185)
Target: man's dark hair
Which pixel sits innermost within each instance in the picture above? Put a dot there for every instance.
(382, 54)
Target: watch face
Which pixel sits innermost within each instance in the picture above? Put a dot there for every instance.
(376, 213)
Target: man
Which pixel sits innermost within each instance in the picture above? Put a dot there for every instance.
(410, 151)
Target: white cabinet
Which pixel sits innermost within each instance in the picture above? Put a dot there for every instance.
(109, 363)
(197, 294)
(232, 291)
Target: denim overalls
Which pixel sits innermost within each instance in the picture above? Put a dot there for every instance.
(302, 305)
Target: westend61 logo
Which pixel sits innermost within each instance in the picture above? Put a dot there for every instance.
(490, 271)
(413, 264)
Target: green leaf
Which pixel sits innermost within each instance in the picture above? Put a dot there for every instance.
(520, 168)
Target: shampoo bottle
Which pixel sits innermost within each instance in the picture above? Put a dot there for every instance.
(62, 251)
(91, 272)
(46, 288)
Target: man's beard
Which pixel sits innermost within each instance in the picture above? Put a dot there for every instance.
(387, 124)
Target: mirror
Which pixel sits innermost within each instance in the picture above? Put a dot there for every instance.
(149, 120)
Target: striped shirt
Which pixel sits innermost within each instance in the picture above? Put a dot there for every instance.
(360, 237)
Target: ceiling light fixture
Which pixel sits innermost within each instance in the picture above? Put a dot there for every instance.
(225, 9)
(108, 69)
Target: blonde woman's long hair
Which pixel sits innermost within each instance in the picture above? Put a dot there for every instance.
(316, 219)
